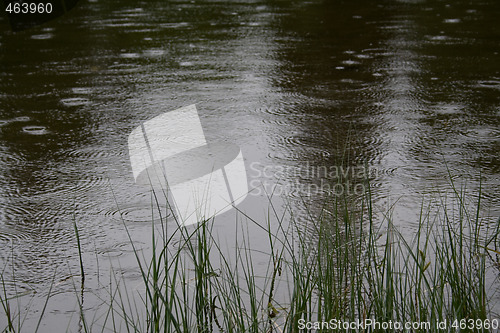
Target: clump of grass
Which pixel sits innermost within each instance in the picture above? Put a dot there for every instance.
(345, 267)
(363, 272)
(349, 268)
(13, 314)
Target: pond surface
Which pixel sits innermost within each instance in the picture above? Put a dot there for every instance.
(409, 90)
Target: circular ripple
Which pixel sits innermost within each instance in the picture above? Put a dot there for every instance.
(42, 36)
(11, 235)
(294, 141)
(83, 186)
(274, 121)
(90, 153)
(377, 52)
(275, 111)
(477, 134)
(363, 56)
(74, 101)
(21, 119)
(17, 287)
(139, 214)
(130, 55)
(152, 53)
(81, 90)
(35, 130)
(11, 215)
(490, 84)
(121, 248)
(186, 64)
(11, 211)
(446, 109)
(11, 159)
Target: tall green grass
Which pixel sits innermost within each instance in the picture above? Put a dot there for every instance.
(341, 265)
(345, 265)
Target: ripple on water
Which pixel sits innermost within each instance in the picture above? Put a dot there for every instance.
(186, 63)
(130, 55)
(120, 248)
(8, 235)
(43, 36)
(377, 52)
(351, 63)
(154, 53)
(9, 158)
(297, 154)
(493, 83)
(21, 119)
(140, 213)
(94, 153)
(482, 134)
(448, 109)
(74, 101)
(80, 188)
(81, 90)
(439, 39)
(35, 130)
(295, 140)
(296, 106)
(363, 56)
(175, 25)
(16, 287)
(10, 214)
(122, 68)
(13, 127)
(285, 110)
(274, 121)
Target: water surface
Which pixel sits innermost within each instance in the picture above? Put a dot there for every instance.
(408, 89)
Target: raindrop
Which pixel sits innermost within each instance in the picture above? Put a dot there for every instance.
(35, 130)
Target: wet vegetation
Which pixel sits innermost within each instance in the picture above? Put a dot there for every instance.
(345, 268)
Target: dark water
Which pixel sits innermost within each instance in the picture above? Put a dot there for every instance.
(408, 89)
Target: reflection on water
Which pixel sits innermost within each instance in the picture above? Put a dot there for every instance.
(410, 89)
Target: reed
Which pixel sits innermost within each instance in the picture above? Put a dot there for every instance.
(347, 266)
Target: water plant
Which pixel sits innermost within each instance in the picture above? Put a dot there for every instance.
(343, 268)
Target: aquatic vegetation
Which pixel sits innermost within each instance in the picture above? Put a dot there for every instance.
(344, 271)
